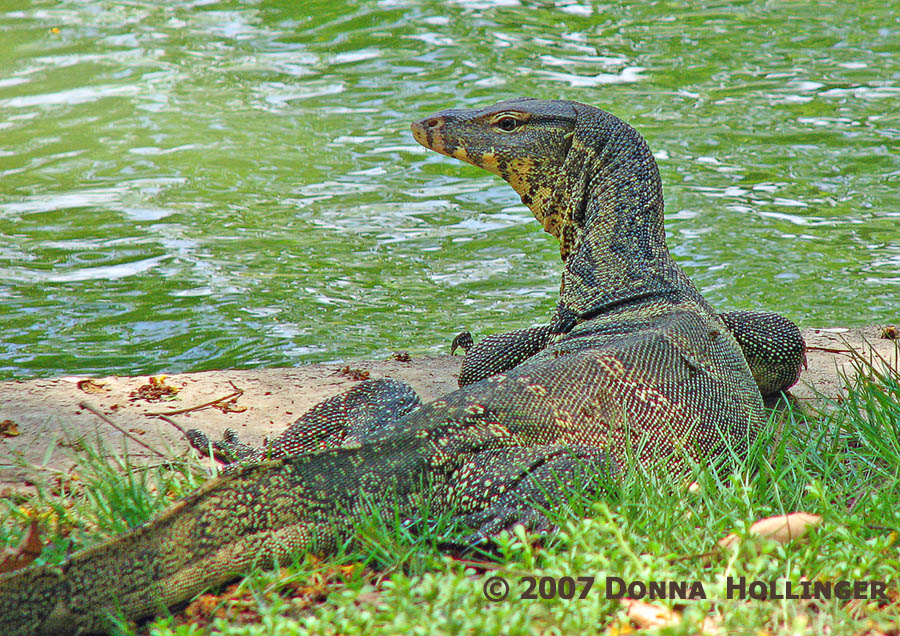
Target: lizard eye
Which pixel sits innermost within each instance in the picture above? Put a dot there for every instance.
(508, 123)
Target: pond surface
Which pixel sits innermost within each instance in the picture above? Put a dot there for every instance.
(201, 185)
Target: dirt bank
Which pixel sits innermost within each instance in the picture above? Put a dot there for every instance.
(260, 403)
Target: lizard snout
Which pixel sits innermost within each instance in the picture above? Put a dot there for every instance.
(429, 133)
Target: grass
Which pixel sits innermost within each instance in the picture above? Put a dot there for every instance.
(842, 464)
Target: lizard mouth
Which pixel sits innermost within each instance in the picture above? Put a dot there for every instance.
(439, 133)
(430, 133)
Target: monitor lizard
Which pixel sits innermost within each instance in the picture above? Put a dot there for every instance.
(635, 363)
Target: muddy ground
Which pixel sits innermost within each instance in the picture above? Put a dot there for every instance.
(51, 415)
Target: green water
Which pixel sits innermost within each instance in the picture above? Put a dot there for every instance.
(200, 185)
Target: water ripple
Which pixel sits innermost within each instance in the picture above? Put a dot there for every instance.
(205, 184)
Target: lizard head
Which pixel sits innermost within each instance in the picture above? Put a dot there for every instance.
(590, 180)
(524, 141)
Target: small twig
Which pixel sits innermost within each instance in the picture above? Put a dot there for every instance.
(174, 424)
(236, 394)
(128, 434)
(383, 575)
(35, 467)
(881, 528)
(829, 350)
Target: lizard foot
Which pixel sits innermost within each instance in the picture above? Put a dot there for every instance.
(462, 341)
(229, 450)
(492, 521)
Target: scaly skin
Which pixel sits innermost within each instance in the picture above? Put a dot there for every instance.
(556, 192)
(634, 362)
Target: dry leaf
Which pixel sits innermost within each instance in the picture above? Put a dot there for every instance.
(354, 374)
(155, 390)
(28, 550)
(368, 598)
(92, 386)
(204, 608)
(780, 528)
(710, 627)
(648, 616)
(231, 406)
(231, 605)
(619, 628)
(8, 428)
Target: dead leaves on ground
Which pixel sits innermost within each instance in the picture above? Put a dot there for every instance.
(232, 604)
(8, 428)
(92, 386)
(648, 616)
(780, 528)
(238, 604)
(354, 374)
(156, 390)
(321, 583)
(229, 406)
(28, 550)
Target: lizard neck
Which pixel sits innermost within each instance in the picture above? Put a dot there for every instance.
(618, 252)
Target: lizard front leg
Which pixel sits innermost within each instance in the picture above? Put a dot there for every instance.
(772, 345)
(500, 352)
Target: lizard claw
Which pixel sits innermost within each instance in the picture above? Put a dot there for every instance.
(228, 451)
(462, 341)
(493, 521)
